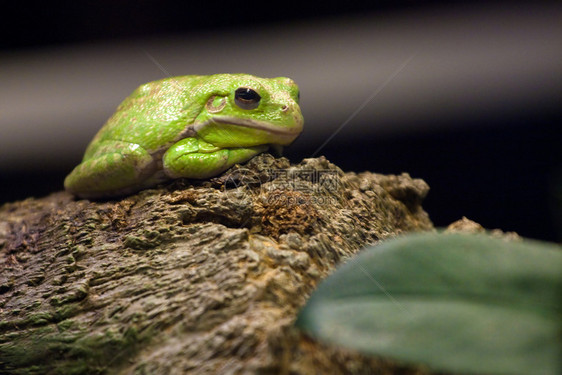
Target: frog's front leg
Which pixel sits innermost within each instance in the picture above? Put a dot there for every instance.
(195, 158)
(114, 168)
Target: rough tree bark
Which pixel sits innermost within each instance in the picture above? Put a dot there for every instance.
(192, 277)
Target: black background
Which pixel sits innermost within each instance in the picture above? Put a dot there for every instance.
(501, 170)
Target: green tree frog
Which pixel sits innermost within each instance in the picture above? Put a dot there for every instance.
(189, 126)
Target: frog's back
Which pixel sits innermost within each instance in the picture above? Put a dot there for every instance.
(153, 114)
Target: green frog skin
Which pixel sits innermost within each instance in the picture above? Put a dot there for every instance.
(186, 127)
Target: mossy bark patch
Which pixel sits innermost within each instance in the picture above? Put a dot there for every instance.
(192, 277)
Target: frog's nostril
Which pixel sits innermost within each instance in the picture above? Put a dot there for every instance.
(285, 108)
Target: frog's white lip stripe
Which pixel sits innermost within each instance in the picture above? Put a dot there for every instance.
(248, 123)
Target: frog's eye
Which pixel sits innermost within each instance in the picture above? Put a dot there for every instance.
(246, 98)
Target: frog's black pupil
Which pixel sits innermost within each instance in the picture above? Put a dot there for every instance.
(247, 94)
(246, 98)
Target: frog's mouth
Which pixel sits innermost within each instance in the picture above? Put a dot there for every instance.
(223, 131)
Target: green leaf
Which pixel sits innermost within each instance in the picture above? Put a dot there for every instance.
(455, 302)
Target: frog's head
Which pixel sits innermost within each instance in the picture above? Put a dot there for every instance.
(242, 111)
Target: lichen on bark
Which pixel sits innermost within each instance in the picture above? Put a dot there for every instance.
(192, 277)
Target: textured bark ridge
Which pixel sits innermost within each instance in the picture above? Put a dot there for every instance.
(193, 277)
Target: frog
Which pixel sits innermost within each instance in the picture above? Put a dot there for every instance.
(193, 126)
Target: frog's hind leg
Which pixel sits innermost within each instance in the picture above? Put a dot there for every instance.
(114, 168)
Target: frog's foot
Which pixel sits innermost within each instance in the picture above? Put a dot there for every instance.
(194, 158)
(116, 168)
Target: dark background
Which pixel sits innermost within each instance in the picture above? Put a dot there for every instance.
(55, 23)
(502, 168)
